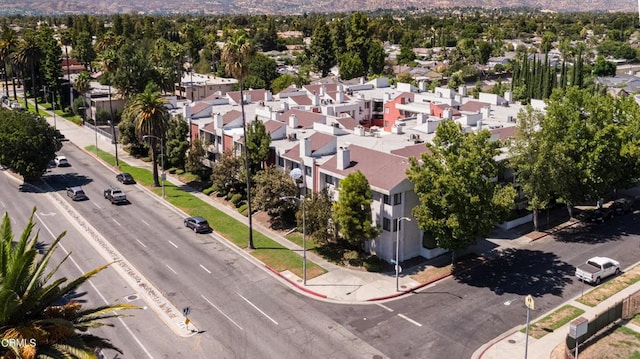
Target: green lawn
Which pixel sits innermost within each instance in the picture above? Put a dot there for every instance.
(268, 251)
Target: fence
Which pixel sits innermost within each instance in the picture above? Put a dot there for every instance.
(624, 309)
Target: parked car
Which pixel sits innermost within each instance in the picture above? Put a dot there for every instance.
(198, 224)
(596, 269)
(115, 195)
(621, 206)
(599, 215)
(61, 161)
(76, 193)
(125, 178)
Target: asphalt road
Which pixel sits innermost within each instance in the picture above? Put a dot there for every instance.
(141, 336)
(241, 310)
(458, 315)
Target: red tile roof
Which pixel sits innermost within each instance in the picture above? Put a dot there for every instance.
(306, 119)
(412, 151)
(318, 140)
(302, 100)
(271, 125)
(473, 106)
(382, 170)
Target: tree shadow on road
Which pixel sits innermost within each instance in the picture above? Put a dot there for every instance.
(521, 271)
(590, 234)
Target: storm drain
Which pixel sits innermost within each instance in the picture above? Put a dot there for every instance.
(131, 298)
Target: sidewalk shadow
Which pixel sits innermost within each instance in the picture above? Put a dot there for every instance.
(521, 271)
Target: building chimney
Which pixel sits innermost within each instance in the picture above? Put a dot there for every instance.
(316, 99)
(186, 111)
(305, 147)
(268, 96)
(462, 90)
(217, 119)
(508, 96)
(275, 115)
(285, 106)
(293, 121)
(340, 95)
(247, 97)
(343, 158)
(447, 113)
(422, 85)
(322, 90)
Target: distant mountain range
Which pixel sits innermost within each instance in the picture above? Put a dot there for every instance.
(58, 7)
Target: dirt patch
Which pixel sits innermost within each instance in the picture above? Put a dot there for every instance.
(553, 321)
(432, 273)
(611, 287)
(621, 343)
(437, 271)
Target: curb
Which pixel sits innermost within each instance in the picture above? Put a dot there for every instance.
(304, 289)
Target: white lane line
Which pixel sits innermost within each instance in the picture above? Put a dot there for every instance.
(385, 307)
(171, 269)
(95, 204)
(221, 312)
(203, 267)
(142, 244)
(258, 309)
(409, 320)
(118, 223)
(96, 289)
(173, 244)
(143, 221)
(2, 204)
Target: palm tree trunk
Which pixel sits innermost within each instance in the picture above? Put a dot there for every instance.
(154, 157)
(24, 90)
(15, 93)
(6, 77)
(33, 86)
(246, 165)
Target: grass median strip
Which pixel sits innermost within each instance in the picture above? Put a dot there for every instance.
(553, 321)
(268, 251)
(611, 287)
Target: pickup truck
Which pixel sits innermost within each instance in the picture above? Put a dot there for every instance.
(596, 269)
(115, 195)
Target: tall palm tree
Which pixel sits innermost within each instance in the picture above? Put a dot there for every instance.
(28, 55)
(148, 112)
(36, 308)
(83, 84)
(236, 54)
(8, 42)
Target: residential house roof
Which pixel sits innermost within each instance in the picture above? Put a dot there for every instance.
(230, 116)
(347, 122)
(256, 95)
(412, 151)
(383, 170)
(473, 106)
(271, 125)
(318, 140)
(301, 100)
(306, 119)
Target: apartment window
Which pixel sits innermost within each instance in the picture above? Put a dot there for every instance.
(386, 110)
(385, 199)
(397, 225)
(386, 124)
(307, 171)
(397, 199)
(328, 179)
(280, 161)
(386, 224)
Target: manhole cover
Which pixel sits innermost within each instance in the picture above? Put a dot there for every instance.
(171, 294)
(131, 298)
(511, 341)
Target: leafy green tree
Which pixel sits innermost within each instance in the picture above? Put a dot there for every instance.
(352, 211)
(225, 176)
(323, 57)
(377, 58)
(406, 55)
(176, 143)
(194, 162)
(51, 70)
(350, 66)
(282, 82)
(603, 67)
(258, 142)
(83, 49)
(358, 38)
(271, 186)
(317, 216)
(455, 81)
(27, 143)
(264, 68)
(36, 308)
(531, 158)
(149, 114)
(338, 29)
(459, 201)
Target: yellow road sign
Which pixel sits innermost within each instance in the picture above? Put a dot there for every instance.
(528, 301)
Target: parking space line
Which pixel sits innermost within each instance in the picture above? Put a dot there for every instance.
(173, 244)
(206, 270)
(171, 269)
(409, 319)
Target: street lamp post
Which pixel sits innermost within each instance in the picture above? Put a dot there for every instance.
(113, 127)
(398, 249)
(304, 238)
(162, 177)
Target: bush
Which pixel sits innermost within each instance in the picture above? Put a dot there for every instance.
(208, 191)
(352, 257)
(374, 264)
(243, 209)
(172, 170)
(179, 171)
(229, 195)
(236, 199)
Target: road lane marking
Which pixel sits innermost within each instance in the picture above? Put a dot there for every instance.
(96, 289)
(3, 204)
(143, 221)
(221, 312)
(173, 244)
(258, 309)
(385, 307)
(203, 267)
(409, 320)
(142, 244)
(118, 223)
(95, 204)
(171, 269)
